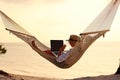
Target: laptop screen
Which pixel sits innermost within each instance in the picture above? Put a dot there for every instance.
(56, 44)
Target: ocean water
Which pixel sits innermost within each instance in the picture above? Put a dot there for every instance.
(102, 58)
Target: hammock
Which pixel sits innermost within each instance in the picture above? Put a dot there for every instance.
(104, 20)
(96, 29)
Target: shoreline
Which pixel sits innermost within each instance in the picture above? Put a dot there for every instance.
(8, 76)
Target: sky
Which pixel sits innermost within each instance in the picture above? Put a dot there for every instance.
(55, 19)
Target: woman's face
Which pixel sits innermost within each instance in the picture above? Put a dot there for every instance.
(72, 43)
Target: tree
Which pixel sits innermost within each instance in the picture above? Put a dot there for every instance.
(2, 49)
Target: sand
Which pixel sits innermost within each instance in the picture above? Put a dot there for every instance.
(7, 76)
(102, 77)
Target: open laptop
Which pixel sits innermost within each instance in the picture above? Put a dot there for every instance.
(56, 45)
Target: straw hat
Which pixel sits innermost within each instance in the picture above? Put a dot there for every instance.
(73, 38)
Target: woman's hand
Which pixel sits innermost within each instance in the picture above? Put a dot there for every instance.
(61, 49)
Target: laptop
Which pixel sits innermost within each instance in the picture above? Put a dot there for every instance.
(56, 45)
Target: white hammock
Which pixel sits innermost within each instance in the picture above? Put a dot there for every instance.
(104, 20)
(102, 23)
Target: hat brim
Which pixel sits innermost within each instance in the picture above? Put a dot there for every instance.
(67, 40)
(71, 40)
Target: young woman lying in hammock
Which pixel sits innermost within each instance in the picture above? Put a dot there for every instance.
(61, 55)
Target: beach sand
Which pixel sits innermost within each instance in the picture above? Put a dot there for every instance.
(102, 77)
(7, 76)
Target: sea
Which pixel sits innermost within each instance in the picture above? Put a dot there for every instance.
(101, 58)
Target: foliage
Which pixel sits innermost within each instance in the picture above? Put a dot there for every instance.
(2, 49)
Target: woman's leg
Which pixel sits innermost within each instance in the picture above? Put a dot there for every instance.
(46, 51)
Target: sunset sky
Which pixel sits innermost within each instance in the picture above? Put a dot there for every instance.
(55, 19)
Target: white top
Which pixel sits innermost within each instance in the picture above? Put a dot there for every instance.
(63, 56)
